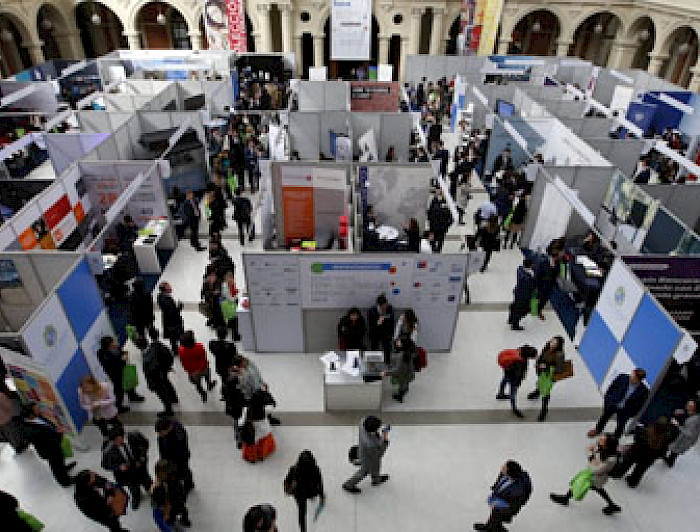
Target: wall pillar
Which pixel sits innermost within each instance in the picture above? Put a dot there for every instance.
(196, 40)
(694, 84)
(257, 39)
(299, 54)
(416, 14)
(134, 39)
(503, 45)
(318, 50)
(383, 55)
(656, 61)
(563, 48)
(402, 57)
(286, 16)
(70, 45)
(436, 31)
(36, 54)
(622, 54)
(265, 29)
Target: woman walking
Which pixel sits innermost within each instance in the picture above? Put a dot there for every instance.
(404, 370)
(550, 361)
(304, 482)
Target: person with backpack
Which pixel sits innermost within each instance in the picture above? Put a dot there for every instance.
(156, 363)
(514, 365)
(304, 482)
(509, 494)
(126, 455)
(242, 212)
(404, 371)
(602, 458)
(371, 449)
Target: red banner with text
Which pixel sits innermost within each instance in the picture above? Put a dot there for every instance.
(237, 35)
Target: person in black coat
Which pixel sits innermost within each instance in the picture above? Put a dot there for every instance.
(380, 321)
(171, 313)
(439, 219)
(304, 482)
(352, 330)
(242, 215)
(514, 371)
(127, 233)
(644, 174)
(224, 353)
(8, 514)
(487, 237)
(217, 209)
(443, 156)
(522, 295)
(140, 308)
(157, 361)
(113, 360)
(509, 494)
(46, 439)
(546, 272)
(503, 161)
(173, 446)
(420, 94)
(625, 397)
(126, 455)
(192, 216)
(95, 497)
(234, 400)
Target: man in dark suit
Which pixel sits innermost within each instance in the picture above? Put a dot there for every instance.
(443, 156)
(126, 455)
(127, 233)
(420, 94)
(100, 500)
(644, 174)
(380, 321)
(522, 294)
(192, 216)
(46, 439)
(508, 495)
(503, 162)
(173, 446)
(242, 215)
(626, 396)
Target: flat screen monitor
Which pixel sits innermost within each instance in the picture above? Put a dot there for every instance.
(504, 108)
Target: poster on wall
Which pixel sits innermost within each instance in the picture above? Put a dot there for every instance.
(491, 10)
(374, 96)
(298, 203)
(351, 27)
(237, 34)
(34, 386)
(216, 24)
(674, 282)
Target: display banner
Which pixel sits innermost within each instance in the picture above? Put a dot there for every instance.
(216, 24)
(675, 283)
(491, 10)
(374, 96)
(298, 203)
(351, 28)
(237, 35)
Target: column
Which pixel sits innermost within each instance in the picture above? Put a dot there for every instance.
(318, 50)
(286, 16)
(265, 29)
(436, 31)
(656, 61)
(196, 40)
(694, 84)
(416, 14)
(383, 50)
(70, 45)
(503, 45)
(134, 39)
(36, 54)
(402, 57)
(299, 54)
(563, 48)
(257, 39)
(622, 54)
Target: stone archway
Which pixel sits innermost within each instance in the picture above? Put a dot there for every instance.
(162, 27)
(101, 30)
(536, 34)
(681, 50)
(14, 57)
(642, 32)
(593, 38)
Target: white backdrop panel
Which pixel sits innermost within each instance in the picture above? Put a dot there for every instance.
(619, 299)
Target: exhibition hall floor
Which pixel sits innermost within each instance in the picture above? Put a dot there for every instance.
(448, 441)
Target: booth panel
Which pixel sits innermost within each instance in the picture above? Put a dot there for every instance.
(335, 122)
(398, 193)
(396, 132)
(664, 234)
(435, 67)
(336, 95)
(22, 292)
(118, 119)
(81, 299)
(107, 151)
(312, 96)
(681, 200)
(363, 122)
(625, 154)
(304, 133)
(321, 329)
(64, 149)
(124, 145)
(51, 268)
(68, 385)
(595, 127)
(94, 121)
(138, 150)
(151, 121)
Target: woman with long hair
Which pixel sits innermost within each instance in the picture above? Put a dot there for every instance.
(550, 361)
(97, 398)
(304, 482)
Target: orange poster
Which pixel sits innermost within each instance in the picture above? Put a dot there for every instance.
(298, 204)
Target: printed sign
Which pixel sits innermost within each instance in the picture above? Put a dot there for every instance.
(351, 26)
(374, 96)
(237, 35)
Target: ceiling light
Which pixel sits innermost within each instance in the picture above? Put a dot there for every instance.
(161, 18)
(6, 35)
(598, 28)
(537, 27)
(643, 35)
(683, 48)
(96, 19)
(46, 24)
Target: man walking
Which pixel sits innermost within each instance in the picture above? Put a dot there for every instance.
(625, 398)
(192, 217)
(243, 209)
(126, 455)
(372, 447)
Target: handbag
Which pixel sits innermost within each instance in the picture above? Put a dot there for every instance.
(131, 332)
(354, 455)
(204, 309)
(66, 446)
(581, 483)
(535, 305)
(566, 372)
(130, 377)
(228, 309)
(30, 520)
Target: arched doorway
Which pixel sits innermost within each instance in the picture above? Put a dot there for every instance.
(451, 48)
(536, 34)
(682, 49)
(13, 57)
(345, 69)
(643, 32)
(594, 37)
(162, 27)
(101, 31)
(49, 22)
(307, 54)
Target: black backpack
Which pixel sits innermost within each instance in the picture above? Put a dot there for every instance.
(290, 481)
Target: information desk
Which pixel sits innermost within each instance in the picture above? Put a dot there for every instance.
(155, 234)
(344, 391)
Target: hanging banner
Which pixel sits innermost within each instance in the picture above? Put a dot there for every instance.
(351, 27)
(216, 24)
(237, 35)
(298, 203)
(491, 18)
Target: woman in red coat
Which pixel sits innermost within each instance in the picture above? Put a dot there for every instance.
(194, 361)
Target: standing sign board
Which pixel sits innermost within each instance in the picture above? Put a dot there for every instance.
(351, 26)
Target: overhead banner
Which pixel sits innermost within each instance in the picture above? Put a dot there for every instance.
(216, 24)
(674, 282)
(470, 26)
(237, 35)
(298, 203)
(351, 27)
(491, 13)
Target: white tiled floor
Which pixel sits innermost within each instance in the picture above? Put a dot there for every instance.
(439, 473)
